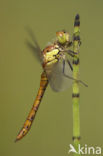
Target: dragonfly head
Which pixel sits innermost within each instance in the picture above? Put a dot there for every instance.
(62, 37)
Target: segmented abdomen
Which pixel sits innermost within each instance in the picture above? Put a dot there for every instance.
(31, 116)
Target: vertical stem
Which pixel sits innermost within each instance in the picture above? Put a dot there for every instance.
(75, 94)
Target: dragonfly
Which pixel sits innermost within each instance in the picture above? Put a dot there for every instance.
(57, 71)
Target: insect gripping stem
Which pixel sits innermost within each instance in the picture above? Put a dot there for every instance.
(75, 94)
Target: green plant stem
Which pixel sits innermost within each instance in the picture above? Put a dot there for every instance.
(75, 95)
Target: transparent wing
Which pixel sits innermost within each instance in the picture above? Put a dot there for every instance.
(57, 79)
(35, 48)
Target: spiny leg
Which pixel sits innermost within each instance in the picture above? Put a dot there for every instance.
(70, 65)
(71, 53)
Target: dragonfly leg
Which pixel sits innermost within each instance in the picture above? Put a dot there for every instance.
(70, 65)
(71, 53)
(70, 76)
(63, 66)
(70, 43)
(64, 70)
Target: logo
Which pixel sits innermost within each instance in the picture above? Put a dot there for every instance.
(85, 149)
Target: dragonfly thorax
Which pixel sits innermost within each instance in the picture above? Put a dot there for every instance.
(50, 55)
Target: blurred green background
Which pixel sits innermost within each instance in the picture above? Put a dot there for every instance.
(51, 133)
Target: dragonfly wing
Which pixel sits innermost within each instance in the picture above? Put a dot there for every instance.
(57, 79)
(35, 48)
